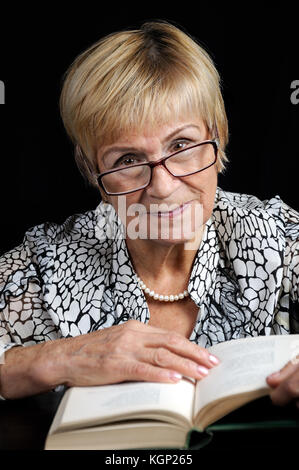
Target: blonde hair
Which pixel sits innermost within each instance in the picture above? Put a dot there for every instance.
(136, 78)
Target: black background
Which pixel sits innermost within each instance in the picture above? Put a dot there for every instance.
(254, 47)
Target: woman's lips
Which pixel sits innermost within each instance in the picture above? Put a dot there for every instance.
(173, 213)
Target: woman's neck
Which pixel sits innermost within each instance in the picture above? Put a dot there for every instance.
(155, 262)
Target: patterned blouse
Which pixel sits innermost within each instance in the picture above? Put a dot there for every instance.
(70, 279)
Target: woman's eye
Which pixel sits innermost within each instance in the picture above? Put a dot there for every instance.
(180, 145)
(126, 160)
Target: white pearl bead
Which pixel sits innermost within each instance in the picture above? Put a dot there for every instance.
(162, 298)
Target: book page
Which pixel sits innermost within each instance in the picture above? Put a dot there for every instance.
(96, 405)
(245, 364)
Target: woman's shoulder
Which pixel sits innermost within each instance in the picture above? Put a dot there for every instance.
(242, 208)
(249, 202)
(245, 201)
(89, 225)
(80, 232)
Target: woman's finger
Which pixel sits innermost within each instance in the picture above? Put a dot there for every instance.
(163, 358)
(182, 347)
(287, 390)
(279, 376)
(116, 370)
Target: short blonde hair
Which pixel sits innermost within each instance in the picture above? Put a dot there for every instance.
(136, 78)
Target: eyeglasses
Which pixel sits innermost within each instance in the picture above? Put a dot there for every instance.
(137, 176)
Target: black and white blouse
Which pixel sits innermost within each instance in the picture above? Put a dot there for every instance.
(70, 279)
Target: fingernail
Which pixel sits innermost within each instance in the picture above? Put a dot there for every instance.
(275, 375)
(202, 370)
(214, 359)
(175, 376)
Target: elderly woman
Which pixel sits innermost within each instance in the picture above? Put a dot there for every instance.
(168, 263)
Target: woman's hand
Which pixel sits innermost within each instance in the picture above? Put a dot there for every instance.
(130, 351)
(285, 384)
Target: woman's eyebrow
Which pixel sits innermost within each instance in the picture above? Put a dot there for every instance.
(120, 149)
(180, 129)
(130, 148)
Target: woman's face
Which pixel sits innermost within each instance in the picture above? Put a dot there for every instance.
(150, 212)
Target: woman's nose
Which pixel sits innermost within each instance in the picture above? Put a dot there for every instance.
(162, 183)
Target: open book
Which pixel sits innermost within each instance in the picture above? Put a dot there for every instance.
(154, 415)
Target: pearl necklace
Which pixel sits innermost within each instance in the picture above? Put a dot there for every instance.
(162, 298)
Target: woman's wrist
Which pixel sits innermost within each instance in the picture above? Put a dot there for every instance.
(31, 370)
(48, 371)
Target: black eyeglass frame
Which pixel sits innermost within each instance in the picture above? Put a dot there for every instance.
(153, 164)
